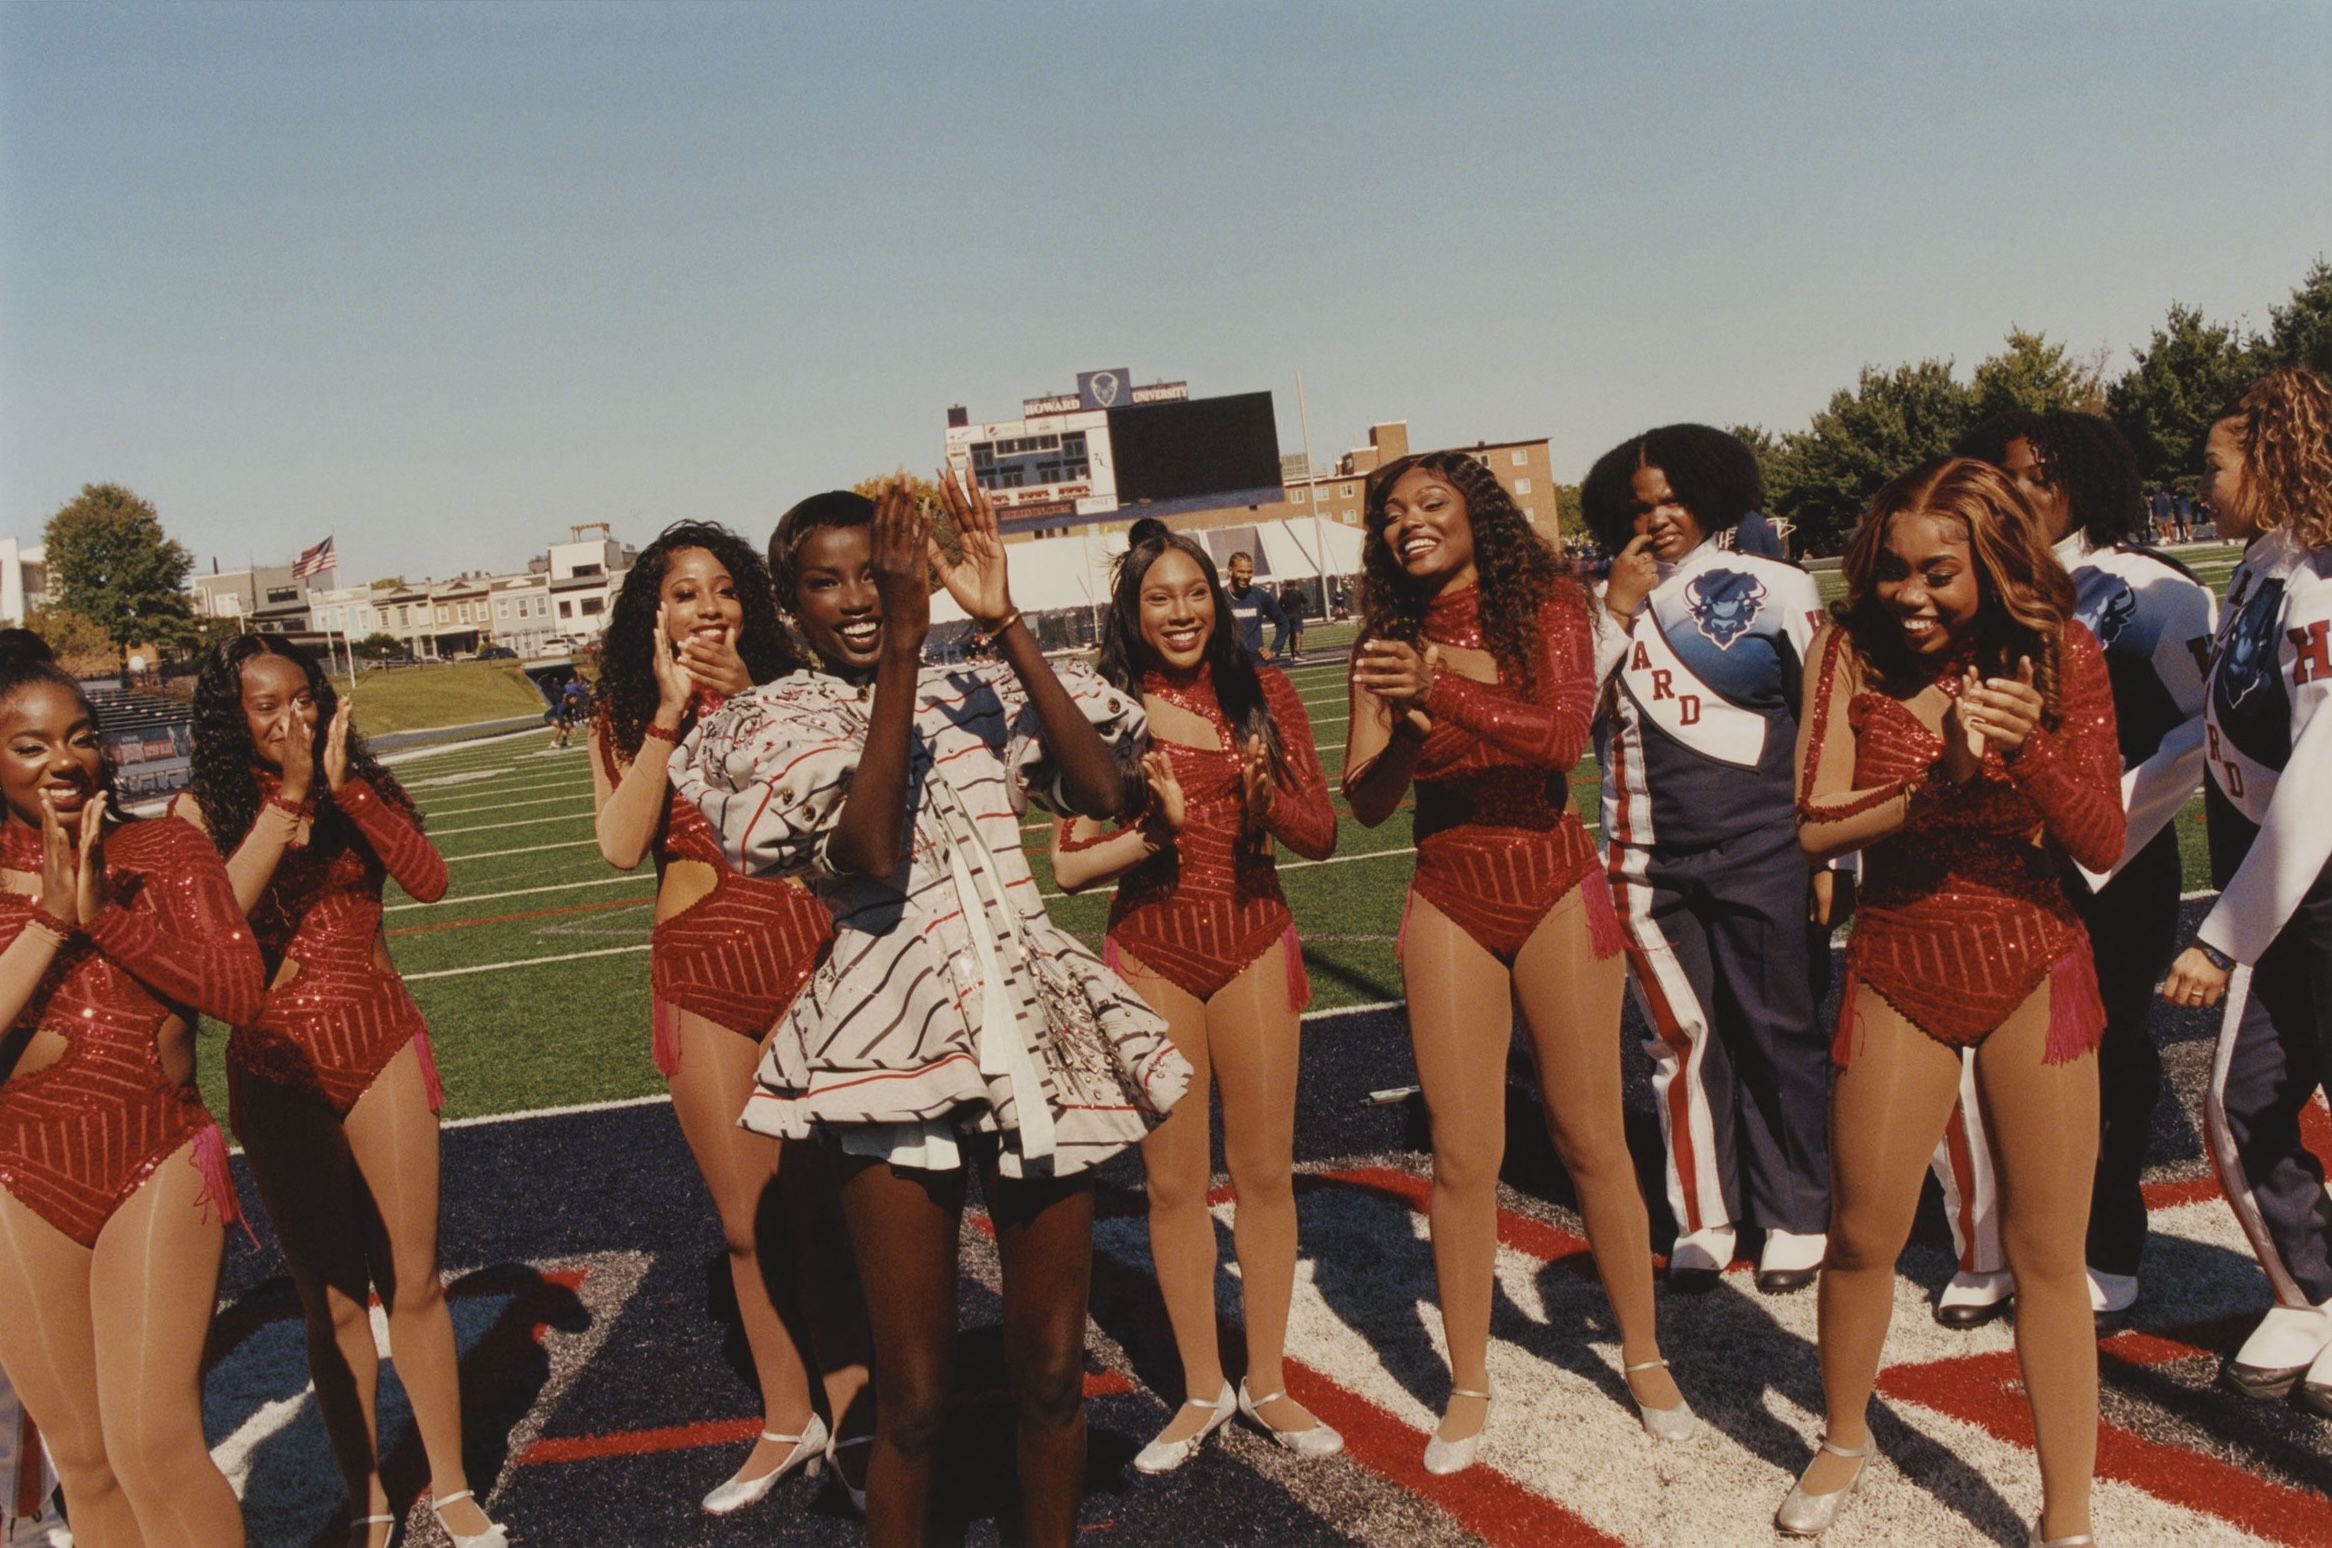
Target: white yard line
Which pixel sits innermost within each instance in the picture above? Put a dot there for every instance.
(529, 849)
(515, 822)
(519, 962)
(498, 806)
(527, 892)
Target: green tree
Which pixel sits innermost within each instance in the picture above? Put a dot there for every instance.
(80, 643)
(379, 647)
(2033, 374)
(2164, 404)
(110, 561)
(1825, 474)
(1768, 449)
(1570, 515)
(2300, 333)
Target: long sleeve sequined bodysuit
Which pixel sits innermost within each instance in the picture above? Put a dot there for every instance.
(334, 1024)
(78, 1136)
(1498, 843)
(736, 956)
(1209, 904)
(1964, 908)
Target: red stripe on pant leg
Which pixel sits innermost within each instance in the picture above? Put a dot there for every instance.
(1963, 1171)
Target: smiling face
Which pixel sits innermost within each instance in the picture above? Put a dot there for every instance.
(1178, 611)
(1241, 571)
(699, 597)
(279, 706)
(48, 747)
(1926, 579)
(2048, 498)
(1427, 528)
(836, 605)
(1659, 514)
(2221, 489)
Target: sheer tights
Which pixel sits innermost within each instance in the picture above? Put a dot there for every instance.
(354, 1203)
(1886, 1110)
(904, 1227)
(781, 1197)
(1462, 1002)
(105, 1348)
(1245, 1038)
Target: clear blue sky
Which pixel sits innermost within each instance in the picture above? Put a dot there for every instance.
(442, 279)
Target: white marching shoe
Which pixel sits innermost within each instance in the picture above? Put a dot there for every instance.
(1445, 1456)
(1699, 1257)
(1810, 1515)
(809, 1451)
(2280, 1350)
(1667, 1424)
(1789, 1261)
(1972, 1299)
(2112, 1294)
(1164, 1456)
(493, 1537)
(1320, 1440)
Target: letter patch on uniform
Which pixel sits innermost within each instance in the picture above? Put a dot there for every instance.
(1724, 604)
(2312, 653)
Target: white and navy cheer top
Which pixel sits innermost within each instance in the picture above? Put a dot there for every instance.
(2269, 737)
(1697, 730)
(2154, 620)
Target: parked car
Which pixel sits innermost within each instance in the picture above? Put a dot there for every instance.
(497, 653)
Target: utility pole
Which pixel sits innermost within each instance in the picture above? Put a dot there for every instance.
(1312, 495)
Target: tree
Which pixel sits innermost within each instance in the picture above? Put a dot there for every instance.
(2035, 375)
(1825, 474)
(2301, 332)
(1570, 515)
(1767, 448)
(110, 561)
(2184, 375)
(379, 647)
(80, 643)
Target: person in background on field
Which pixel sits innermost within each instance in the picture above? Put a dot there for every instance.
(2182, 507)
(1294, 602)
(574, 707)
(2162, 509)
(1250, 606)
(1752, 534)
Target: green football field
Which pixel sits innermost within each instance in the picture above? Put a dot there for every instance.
(533, 970)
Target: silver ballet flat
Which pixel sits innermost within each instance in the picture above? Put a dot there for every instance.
(1810, 1515)
(809, 1450)
(1444, 1457)
(1320, 1440)
(1165, 1456)
(493, 1537)
(2077, 1540)
(1665, 1424)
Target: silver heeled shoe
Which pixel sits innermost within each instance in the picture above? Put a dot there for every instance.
(360, 1529)
(809, 1450)
(493, 1537)
(1165, 1456)
(1810, 1515)
(2077, 1540)
(1445, 1456)
(1666, 1424)
(834, 1444)
(1319, 1440)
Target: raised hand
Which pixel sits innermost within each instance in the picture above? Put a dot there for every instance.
(902, 573)
(1257, 787)
(336, 748)
(60, 880)
(1396, 672)
(1963, 735)
(2004, 709)
(1165, 791)
(299, 754)
(89, 883)
(673, 682)
(713, 664)
(1634, 572)
(978, 582)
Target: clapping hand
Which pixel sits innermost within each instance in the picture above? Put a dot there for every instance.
(978, 581)
(1257, 786)
(1396, 672)
(712, 662)
(902, 573)
(336, 748)
(673, 682)
(1165, 791)
(2003, 710)
(295, 733)
(73, 886)
(1963, 734)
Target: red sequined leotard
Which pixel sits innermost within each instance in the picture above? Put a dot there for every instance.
(737, 955)
(336, 1023)
(1202, 909)
(1963, 906)
(1498, 843)
(79, 1136)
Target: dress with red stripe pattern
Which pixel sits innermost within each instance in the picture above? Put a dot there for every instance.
(79, 1136)
(334, 1024)
(1205, 907)
(1498, 843)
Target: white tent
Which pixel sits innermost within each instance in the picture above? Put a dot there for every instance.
(1049, 574)
(1289, 552)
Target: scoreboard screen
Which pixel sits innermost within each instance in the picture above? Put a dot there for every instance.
(1203, 446)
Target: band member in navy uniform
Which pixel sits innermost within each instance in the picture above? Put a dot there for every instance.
(2154, 620)
(1251, 606)
(1695, 729)
(2266, 945)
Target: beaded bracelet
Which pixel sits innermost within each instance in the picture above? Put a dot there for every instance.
(300, 811)
(660, 733)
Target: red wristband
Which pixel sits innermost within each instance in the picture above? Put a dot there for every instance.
(660, 733)
(300, 810)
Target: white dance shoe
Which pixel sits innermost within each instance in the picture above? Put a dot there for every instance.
(1164, 1456)
(2282, 1349)
(493, 1537)
(809, 1451)
(1810, 1515)
(1789, 1261)
(2077, 1540)
(1443, 1457)
(1319, 1440)
(1699, 1257)
(2112, 1294)
(835, 1444)
(1664, 1424)
(1971, 1300)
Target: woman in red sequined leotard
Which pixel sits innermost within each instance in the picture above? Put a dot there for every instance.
(1201, 931)
(695, 621)
(335, 1092)
(112, 1222)
(1960, 732)
(1475, 679)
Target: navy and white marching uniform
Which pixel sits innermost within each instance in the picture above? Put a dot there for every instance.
(2154, 620)
(2269, 751)
(1696, 732)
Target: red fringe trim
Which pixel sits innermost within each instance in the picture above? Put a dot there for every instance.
(664, 1037)
(1603, 932)
(2076, 1009)
(218, 1184)
(1299, 983)
(1842, 1040)
(429, 1081)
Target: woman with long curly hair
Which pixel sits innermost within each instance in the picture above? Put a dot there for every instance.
(1474, 679)
(1200, 929)
(114, 1191)
(694, 622)
(334, 1090)
(2153, 619)
(1960, 734)
(2266, 945)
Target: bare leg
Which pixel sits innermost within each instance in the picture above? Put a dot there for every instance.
(1570, 1001)
(1044, 1236)
(1886, 1108)
(153, 1282)
(903, 1227)
(1461, 1023)
(2044, 1121)
(49, 1347)
(1177, 1165)
(825, 1280)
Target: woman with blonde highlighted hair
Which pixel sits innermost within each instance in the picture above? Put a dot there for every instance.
(1959, 731)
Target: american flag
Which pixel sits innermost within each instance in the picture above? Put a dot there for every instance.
(313, 561)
